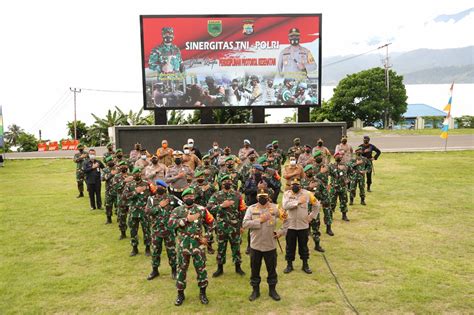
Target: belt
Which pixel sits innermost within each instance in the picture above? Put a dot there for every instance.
(177, 189)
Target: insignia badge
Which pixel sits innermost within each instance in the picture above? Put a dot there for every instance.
(214, 27)
(248, 27)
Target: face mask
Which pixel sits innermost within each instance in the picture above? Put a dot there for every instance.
(294, 41)
(227, 186)
(81, 151)
(275, 147)
(216, 147)
(124, 170)
(226, 152)
(119, 156)
(320, 143)
(186, 151)
(164, 145)
(319, 160)
(338, 160)
(189, 201)
(110, 149)
(92, 156)
(344, 141)
(269, 151)
(297, 144)
(137, 148)
(160, 190)
(143, 157)
(137, 177)
(110, 164)
(262, 200)
(154, 161)
(366, 141)
(200, 180)
(307, 151)
(252, 158)
(229, 166)
(309, 175)
(177, 161)
(206, 162)
(191, 145)
(295, 188)
(293, 162)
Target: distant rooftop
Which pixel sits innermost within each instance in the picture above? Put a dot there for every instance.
(422, 110)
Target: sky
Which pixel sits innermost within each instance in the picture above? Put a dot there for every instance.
(49, 46)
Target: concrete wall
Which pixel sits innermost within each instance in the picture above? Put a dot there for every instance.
(233, 135)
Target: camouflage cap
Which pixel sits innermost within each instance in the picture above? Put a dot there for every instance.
(136, 170)
(187, 191)
(317, 153)
(308, 167)
(198, 173)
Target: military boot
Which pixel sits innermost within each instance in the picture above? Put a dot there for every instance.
(362, 201)
(255, 293)
(273, 293)
(203, 296)
(109, 220)
(239, 270)
(154, 273)
(134, 251)
(210, 250)
(344, 217)
(219, 271)
(368, 188)
(173, 273)
(305, 267)
(180, 298)
(317, 247)
(329, 230)
(147, 251)
(122, 235)
(351, 200)
(289, 267)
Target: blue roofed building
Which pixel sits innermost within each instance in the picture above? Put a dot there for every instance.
(420, 116)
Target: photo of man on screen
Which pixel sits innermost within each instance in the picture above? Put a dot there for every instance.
(295, 60)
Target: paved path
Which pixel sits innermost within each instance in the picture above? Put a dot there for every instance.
(386, 143)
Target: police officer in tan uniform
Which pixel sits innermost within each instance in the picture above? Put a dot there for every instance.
(295, 58)
(177, 175)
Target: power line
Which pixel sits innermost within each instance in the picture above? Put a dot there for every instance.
(352, 57)
(53, 109)
(110, 91)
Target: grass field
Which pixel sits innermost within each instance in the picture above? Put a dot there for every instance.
(410, 250)
(426, 132)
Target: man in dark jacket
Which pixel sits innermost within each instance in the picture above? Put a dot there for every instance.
(367, 151)
(91, 168)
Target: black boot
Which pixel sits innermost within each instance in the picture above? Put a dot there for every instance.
(147, 251)
(173, 273)
(362, 201)
(203, 296)
(122, 235)
(81, 194)
(317, 247)
(180, 298)
(351, 200)
(154, 273)
(368, 188)
(109, 220)
(329, 230)
(344, 217)
(210, 250)
(289, 267)
(134, 251)
(255, 293)
(247, 251)
(239, 270)
(219, 271)
(80, 187)
(306, 268)
(273, 293)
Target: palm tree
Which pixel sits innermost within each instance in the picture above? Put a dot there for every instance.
(13, 134)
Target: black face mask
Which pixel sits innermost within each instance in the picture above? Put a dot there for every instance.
(110, 164)
(320, 143)
(227, 186)
(309, 175)
(308, 151)
(295, 188)
(275, 147)
(189, 202)
(297, 144)
(110, 149)
(154, 161)
(206, 163)
(160, 190)
(200, 180)
(226, 153)
(366, 141)
(119, 156)
(252, 159)
(319, 160)
(123, 170)
(137, 178)
(338, 160)
(177, 161)
(229, 166)
(262, 200)
(81, 151)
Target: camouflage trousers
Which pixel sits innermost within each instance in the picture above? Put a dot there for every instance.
(133, 224)
(122, 212)
(80, 180)
(357, 181)
(341, 194)
(199, 261)
(231, 235)
(314, 227)
(157, 247)
(110, 203)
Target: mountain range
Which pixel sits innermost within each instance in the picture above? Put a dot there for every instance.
(421, 66)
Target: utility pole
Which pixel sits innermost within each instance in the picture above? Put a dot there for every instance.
(75, 121)
(40, 134)
(387, 66)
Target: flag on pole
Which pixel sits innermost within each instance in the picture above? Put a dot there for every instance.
(447, 109)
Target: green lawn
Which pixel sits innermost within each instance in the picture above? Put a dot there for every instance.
(426, 132)
(411, 250)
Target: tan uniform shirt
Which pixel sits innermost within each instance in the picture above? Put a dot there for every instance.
(165, 156)
(297, 207)
(243, 153)
(346, 150)
(176, 183)
(191, 160)
(290, 172)
(326, 154)
(155, 172)
(141, 164)
(261, 234)
(305, 159)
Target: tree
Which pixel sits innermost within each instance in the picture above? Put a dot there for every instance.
(81, 129)
(364, 95)
(13, 134)
(465, 121)
(232, 116)
(27, 142)
(326, 111)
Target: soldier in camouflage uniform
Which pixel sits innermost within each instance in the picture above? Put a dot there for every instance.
(166, 57)
(229, 207)
(273, 160)
(203, 191)
(296, 149)
(109, 152)
(271, 177)
(118, 184)
(158, 209)
(187, 221)
(210, 170)
(280, 155)
(231, 172)
(79, 158)
(325, 190)
(357, 170)
(110, 199)
(245, 170)
(136, 194)
(339, 181)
